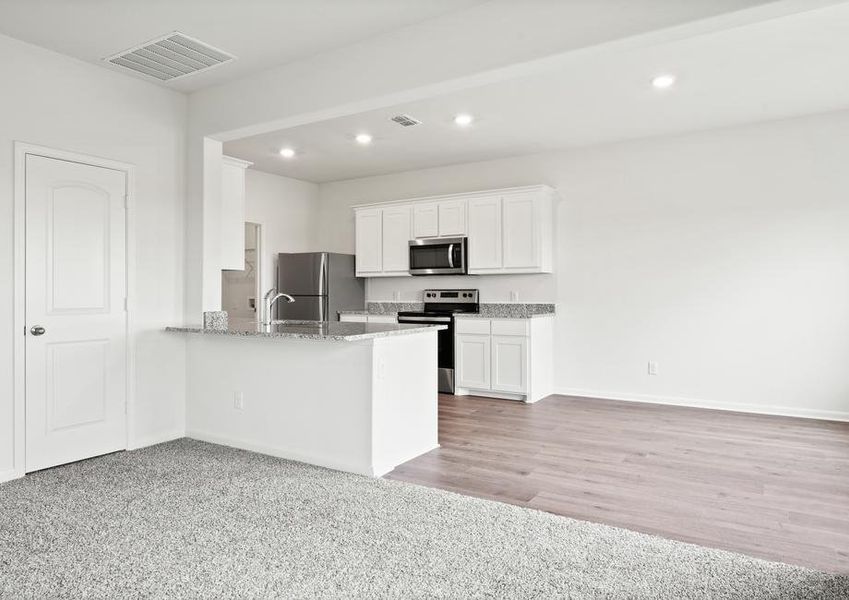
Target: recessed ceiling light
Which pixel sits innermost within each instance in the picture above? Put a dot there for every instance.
(287, 153)
(663, 82)
(463, 119)
(363, 138)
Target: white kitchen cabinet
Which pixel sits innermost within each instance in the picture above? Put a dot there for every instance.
(396, 240)
(521, 226)
(232, 243)
(446, 218)
(511, 233)
(472, 354)
(504, 358)
(485, 234)
(369, 241)
(425, 220)
(508, 231)
(510, 363)
(452, 218)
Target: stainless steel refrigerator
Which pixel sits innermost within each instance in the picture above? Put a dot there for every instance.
(322, 284)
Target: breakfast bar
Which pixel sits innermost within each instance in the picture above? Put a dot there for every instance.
(357, 397)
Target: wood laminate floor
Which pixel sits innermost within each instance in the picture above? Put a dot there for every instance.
(772, 487)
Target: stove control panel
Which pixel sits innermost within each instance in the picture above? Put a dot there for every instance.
(452, 296)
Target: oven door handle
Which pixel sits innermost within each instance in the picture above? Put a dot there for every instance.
(451, 255)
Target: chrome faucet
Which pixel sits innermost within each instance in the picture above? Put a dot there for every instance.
(271, 296)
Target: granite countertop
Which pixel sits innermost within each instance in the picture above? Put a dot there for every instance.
(509, 310)
(488, 310)
(385, 308)
(332, 331)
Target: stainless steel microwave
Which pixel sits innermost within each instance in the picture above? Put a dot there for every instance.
(438, 256)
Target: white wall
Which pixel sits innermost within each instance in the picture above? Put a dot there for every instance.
(722, 255)
(287, 209)
(59, 102)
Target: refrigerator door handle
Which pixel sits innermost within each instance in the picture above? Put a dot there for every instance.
(323, 274)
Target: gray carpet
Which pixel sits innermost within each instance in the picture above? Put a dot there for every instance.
(189, 520)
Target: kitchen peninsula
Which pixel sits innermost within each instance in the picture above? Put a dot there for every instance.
(357, 397)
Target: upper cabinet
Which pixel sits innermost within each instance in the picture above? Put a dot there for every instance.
(509, 231)
(383, 241)
(452, 218)
(446, 218)
(233, 213)
(426, 220)
(485, 239)
(369, 241)
(396, 240)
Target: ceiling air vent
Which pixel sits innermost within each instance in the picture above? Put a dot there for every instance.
(405, 120)
(170, 57)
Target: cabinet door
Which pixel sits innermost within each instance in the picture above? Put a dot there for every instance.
(485, 233)
(232, 217)
(472, 354)
(521, 231)
(452, 217)
(510, 363)
(425, 220)
(396, 239)
(369, 242)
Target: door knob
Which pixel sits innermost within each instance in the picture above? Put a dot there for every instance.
(37, 330)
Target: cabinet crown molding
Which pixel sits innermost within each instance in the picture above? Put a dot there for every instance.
(461, 195)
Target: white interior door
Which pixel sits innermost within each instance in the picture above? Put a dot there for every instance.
(75, 311)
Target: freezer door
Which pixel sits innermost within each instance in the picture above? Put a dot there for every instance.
(302, 274)
(346, 291)
(304, 308)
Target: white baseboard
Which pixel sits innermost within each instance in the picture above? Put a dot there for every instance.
(9, 475)
(158, 438)
(780, 411)
(321, 461)
(490, 394)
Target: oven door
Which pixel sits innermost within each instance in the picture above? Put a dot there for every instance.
(438, 256)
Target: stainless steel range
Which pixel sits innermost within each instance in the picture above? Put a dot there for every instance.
(440, 306)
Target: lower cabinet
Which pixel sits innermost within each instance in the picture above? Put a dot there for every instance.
(493, 357)
(472, 360)
(510, 363)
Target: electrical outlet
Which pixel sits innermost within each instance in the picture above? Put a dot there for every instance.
(514, 296)
(652, 367)
(396, 296)
(238, 401)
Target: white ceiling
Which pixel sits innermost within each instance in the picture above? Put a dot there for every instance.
(261, 33)
(778, 68)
